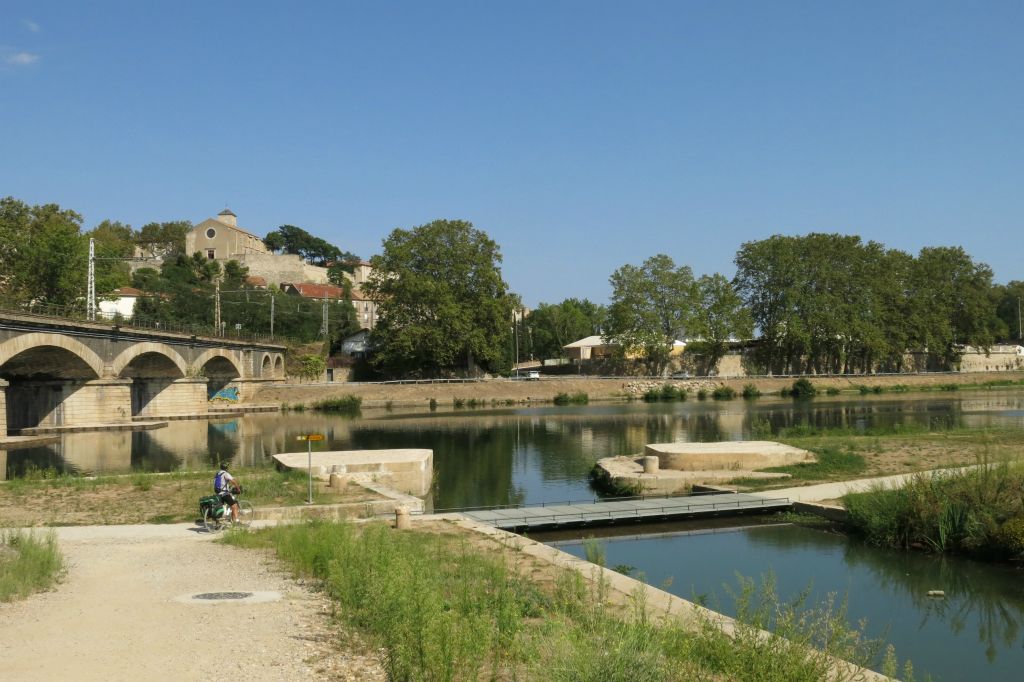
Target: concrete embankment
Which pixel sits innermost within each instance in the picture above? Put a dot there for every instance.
(545, 389)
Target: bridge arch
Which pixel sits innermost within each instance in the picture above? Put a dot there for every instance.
(220, 361)
(266, 367)
(165, 352)
(278, 366)
(63, 356)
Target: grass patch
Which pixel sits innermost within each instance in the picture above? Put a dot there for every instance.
(346, 404)
(750, 391)
(724, 393)
(28, 563)
(579, 398)
(442, 608)
(833, 463)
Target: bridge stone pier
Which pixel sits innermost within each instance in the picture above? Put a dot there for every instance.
(55, 373)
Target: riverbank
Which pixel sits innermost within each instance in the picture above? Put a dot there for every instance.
(500, 391)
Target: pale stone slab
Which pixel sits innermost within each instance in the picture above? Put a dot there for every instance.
(409, 470)
(750, 455)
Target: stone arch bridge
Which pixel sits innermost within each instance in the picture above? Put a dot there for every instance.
(62, 373)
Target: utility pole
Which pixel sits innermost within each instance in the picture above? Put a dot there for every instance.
(216, 306)
(515, 329)
(271, 315)
(90, 302)
(1019, 335)
(323, 325)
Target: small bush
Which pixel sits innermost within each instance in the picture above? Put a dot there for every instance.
(1009, 538)
(751, 391)
(832, 390)
(347, 404)
(459, 402)
(802, 388)
(702, 394)
(572, 399)
(949, 387)
(670, 392)
(433, 404)
(724, 393)
(28, 563)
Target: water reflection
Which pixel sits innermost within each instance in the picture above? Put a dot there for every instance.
(974, 633)
(506, 456)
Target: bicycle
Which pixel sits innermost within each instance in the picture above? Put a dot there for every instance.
(217, 514)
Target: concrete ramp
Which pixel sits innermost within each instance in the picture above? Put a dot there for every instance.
(407, 470)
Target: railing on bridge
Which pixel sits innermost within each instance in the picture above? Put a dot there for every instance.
(77, 313)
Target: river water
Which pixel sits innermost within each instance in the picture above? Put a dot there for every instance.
(975, 633)
(528, 455)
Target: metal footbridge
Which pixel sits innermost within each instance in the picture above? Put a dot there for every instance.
(626, 510)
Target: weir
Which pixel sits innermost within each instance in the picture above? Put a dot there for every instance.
(629, 510)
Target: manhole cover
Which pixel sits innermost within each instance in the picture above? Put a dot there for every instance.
(223, 595)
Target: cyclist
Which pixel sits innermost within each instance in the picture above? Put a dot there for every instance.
(226, 487)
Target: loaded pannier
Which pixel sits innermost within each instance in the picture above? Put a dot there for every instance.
(212, 502)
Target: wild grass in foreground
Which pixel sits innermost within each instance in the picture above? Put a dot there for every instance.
(977, 511)
(28, 563)
(442, 608)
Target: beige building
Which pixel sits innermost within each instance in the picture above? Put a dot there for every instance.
(222, 239)
(366, 310)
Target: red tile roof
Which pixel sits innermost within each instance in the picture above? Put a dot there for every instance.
(256, 281)
(309, 290)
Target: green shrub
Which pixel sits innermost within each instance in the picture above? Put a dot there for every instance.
(433, 404)
(751, 391)
(702, 394)
(346, 404)
(802, 388)
(724, 393)
(458, 402)
(949, 387)
(1009, 537)
(832, 390)
(670, 392)
(579, 398)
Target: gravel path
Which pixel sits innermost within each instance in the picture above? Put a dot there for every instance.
(124, 612)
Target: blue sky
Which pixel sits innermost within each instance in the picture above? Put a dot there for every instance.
(580, 135)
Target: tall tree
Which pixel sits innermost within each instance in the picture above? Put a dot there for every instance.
(115, 244)
(719, 317)
(163, 240)
(553, 325)
(43, 255)
(443, 303)
(296, 241)
(1009, 307)
(952, 303)
(652, 306)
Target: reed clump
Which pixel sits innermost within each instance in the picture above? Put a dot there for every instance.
(977, 511)
(346, 404)
(578, 398)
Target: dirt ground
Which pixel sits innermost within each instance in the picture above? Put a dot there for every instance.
(545, 389)
(128, 500)
(124, 612)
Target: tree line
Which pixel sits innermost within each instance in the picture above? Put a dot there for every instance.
(812, 303)
(44, 255)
